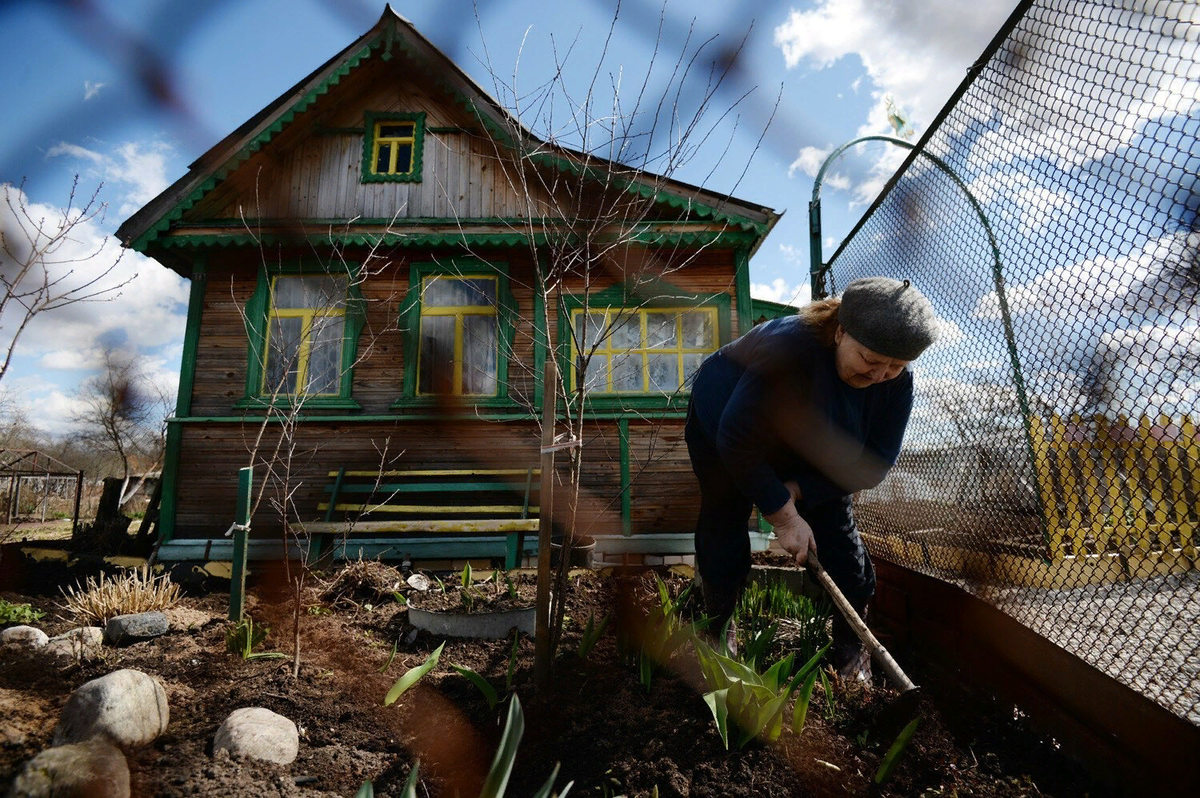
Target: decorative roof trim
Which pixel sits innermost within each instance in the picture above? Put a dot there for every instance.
(728, 238)
(384, 37)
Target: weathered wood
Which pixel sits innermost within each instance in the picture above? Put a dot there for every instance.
(423, 525)
(427, 509)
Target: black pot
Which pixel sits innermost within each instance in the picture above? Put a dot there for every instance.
(582, 549)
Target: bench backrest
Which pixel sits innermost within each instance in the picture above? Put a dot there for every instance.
(472, 493)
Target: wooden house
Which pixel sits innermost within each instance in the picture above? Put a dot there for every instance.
(370, 258)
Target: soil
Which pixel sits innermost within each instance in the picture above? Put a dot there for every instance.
(608, 733)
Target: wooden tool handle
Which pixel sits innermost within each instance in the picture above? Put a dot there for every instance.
(874, 647)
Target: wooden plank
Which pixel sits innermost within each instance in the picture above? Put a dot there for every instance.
(1149, 448)
(1191, 466)
(514, 472)
(1045, 478)
(428, 487)
(439, 526)
(431, 509)
(1066, 468)
(1176, 463)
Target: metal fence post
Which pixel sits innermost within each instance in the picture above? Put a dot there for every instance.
(241, 531)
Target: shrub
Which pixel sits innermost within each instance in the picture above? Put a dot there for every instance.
(18, 613)
(105, 597)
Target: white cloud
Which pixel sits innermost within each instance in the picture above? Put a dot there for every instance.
(809, 161)
(137, 169)
(91, 89)
(145, 313)
(1017, 194)
(916, 50)
(75, 151)
(779, 290)
(950, 334)
(1088, 290)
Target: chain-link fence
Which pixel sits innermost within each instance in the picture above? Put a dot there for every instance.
(1050, 213)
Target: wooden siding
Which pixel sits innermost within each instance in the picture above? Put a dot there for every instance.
(313, 168)
(664, 488)
(663, 491)
(221, 357)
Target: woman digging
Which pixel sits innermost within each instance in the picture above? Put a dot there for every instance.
(794, 417)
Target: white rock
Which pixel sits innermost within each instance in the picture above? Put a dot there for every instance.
(85, 642)
(23, 637)
(94, 769)
(418, 582)
(258, 733)
(127, 706)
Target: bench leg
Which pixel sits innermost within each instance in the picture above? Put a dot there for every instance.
(512, 557)
(320, 550)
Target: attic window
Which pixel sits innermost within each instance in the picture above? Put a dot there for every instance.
(392, 147)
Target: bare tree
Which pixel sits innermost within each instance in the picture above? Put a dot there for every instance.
(46, 265)
(124, 414)
(276, 447)
(591, 190)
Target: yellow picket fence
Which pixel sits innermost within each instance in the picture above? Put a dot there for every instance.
(1112, 486)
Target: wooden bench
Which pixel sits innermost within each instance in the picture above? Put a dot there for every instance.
(431, 502)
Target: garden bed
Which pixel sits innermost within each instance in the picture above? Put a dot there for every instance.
(610, 734)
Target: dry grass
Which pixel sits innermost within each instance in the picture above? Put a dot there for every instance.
(109, 596)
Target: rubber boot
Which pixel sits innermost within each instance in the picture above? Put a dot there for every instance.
(720, 601)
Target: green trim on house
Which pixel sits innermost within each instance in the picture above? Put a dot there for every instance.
(191, 337)
(626, 486)
(449, 238)
(170, 480)
(257, 312)
(385, 39)
(369, 175)
(745, 305)
(658, 294)
(496, 417)
(410, 324)
(453, 238)
(255, 144)
(541, 336)
(653, 193)
(761, 308)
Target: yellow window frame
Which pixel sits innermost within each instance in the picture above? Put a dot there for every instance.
(458, 312)
(308, 316)
(605, 348)
(379, 138)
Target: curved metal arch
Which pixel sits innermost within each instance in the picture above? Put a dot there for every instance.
(817, 269)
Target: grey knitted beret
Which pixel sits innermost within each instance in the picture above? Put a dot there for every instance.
(888, 316)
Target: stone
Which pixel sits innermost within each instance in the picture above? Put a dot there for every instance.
(258, 733)
(126, 706)
(92, 769)
(24, 637)
(127, 629)
(85, 642)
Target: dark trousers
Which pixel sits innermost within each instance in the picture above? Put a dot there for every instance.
(723, 545)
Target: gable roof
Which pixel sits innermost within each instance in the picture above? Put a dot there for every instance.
(141, 229)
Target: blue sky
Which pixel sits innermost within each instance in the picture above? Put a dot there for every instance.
(86, 108)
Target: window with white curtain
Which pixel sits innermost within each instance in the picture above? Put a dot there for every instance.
(459, 336)
(305, 335)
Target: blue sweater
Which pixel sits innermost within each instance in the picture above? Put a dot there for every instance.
(774, 407)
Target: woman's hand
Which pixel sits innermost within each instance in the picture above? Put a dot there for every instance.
(793, 532)
(793, 488)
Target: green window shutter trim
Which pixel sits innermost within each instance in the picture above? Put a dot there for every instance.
(657, 294)
(410, 325)
(256, 336)
(367, 174)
